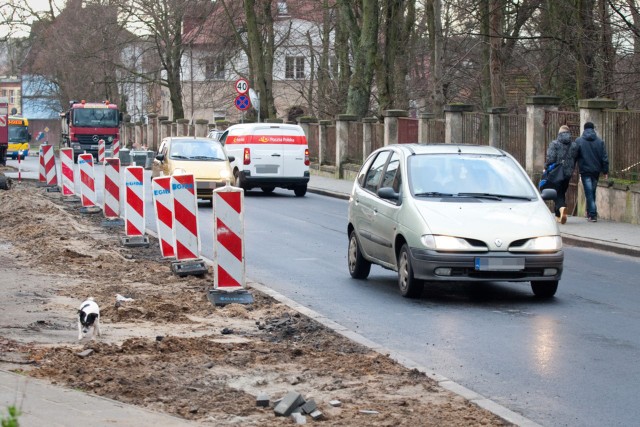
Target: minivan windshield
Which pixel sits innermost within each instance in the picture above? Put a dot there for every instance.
(462, 175)
(194, 149)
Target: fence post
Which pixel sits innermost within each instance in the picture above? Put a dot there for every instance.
(367, 136)
(391, 125)
(535, 152)
(322, 140)
(453, 122)
(342, 140)
(183, 127)
(202, 128)
(423, 127)
(592, 110)
(304, 122)
(152, 132)
(165, 128)
(124, 137)
(495, 124)
(130, 132)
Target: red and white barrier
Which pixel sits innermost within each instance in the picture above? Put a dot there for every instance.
(49, 165)
(87, 180)
(228, 238)
(116, 148)
(111, 206)
(101, 148)
(67, 181)
(42, 177)
(185, 217)
(163, 205)
(134, 201)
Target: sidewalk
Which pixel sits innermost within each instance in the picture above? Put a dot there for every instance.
(617, 237)
(43, 404)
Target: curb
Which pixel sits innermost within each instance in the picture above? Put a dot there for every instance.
(602, 245)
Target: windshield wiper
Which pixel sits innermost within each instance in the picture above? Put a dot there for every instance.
(492, 196)
(433, 194)
(204, 158)
(178, 156)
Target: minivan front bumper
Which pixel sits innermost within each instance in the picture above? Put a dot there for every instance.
(441, 266)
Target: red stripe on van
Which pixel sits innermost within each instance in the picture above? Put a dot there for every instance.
(267, 139)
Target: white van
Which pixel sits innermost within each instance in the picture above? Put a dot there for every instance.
(268, 155)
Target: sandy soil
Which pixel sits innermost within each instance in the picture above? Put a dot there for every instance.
(171, 349)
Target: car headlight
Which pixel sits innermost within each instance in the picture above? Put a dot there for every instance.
(225, 174)
(449, 243)
(179, 171)
(540, 244)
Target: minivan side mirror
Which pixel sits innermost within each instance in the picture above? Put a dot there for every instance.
(388, 193)
(231, 158)
(160, 157)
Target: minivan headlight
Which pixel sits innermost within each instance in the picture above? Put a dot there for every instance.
(449, 243)
(225, 174)
(540, 244)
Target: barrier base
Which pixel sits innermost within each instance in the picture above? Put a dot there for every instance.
(90, 209)
(193, 267)
(71, 199)
(136, 241)
(239, 296)
(113, 222)
(55, 189)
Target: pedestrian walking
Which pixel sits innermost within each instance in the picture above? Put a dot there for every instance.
(562, 151)
(592, 161)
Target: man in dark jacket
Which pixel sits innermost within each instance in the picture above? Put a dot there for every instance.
(592, 161)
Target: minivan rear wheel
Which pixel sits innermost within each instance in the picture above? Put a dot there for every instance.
(544, 289)
(300, 190)
(359, 267)
(410, 287)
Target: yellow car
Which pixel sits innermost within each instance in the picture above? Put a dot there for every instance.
(203, 158)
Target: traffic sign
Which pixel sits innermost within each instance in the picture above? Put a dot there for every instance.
(242, 86)
(242, 102)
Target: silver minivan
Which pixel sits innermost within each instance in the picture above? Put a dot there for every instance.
(451, 212)
(268, 155)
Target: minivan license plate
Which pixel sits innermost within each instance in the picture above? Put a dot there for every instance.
(499, 264)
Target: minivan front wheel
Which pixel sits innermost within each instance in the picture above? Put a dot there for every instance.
(359, 267)
(410, 287)
(542, 289)
(300, 190)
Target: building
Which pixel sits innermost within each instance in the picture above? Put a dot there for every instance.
(11, 88)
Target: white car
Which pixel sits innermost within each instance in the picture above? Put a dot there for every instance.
(449, 212)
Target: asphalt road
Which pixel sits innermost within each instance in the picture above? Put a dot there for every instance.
(570, 361)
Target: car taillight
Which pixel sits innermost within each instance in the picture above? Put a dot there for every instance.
(247, 156)
(306, 157)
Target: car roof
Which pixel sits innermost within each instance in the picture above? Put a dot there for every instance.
(190, 138)
(448, 149)
(252, 126)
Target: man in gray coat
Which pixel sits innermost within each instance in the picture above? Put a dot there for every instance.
(592, 161)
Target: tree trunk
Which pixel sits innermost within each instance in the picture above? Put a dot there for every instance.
(434, 24)
(496, 23)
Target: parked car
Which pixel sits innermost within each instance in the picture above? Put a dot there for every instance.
(204, 158)
(268, 155)
(449, 212)
(215, 134)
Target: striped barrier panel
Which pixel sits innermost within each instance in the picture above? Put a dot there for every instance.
(228, 238)
(111, 206)
(51, 175)
(134, 201)
(101, 147)
(42, 177)
(87, 181)
(116, 148)
(68, 179)
(185, 217)
(163, 205)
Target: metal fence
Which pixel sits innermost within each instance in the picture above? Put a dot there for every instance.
(475, 128)
(354, 145)
(513, 136)
(313, 140)
(436, 129)
(621, 135)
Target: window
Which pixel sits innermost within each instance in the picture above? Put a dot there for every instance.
(391, 176)
(283, 10)
(12, 96)
(214, 68)
(4, 93)
(375, 172)
(294, 67)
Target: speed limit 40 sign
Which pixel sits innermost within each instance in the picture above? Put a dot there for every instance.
(242, 86)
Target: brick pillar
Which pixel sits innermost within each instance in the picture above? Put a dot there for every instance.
(342, 140)
(535, 153)
(592, 110)
(304, 122)
(495, 124)
(174, 129)
(391, 125)
(367, 136)
(124, 137)
(453, 122)
(131, 134)
(423, 127)
(201, 127)
(183, 127)
(165, 129)
(152, 132)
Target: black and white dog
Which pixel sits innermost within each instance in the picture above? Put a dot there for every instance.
(89, 319)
